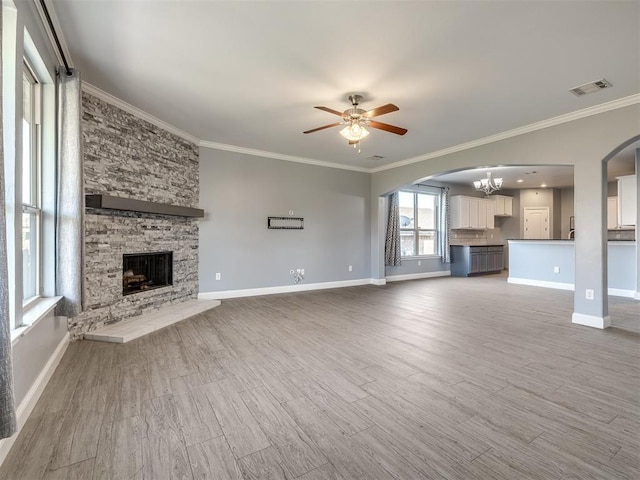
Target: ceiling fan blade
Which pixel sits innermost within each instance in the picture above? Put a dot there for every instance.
(330, 110)
(323, 127)
(386, 127)
(376, 112)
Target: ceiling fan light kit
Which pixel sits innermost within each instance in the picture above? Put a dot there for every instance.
(357, 120)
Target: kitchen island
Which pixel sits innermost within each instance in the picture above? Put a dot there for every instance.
(551, 264)
(469, 260)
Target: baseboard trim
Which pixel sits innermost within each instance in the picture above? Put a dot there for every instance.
(619, 292)
(540, 283)
(33, 395)
(417, 276)
(591, 320)
(301, 287)
(614, 292)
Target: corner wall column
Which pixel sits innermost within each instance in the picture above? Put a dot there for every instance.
(591, 245)
(637, 294)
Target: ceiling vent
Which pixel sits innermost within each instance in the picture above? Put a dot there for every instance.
(375, 157)
(590, 87)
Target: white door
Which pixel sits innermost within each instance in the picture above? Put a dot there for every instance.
(536, 223)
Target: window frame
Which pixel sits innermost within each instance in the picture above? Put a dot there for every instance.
(34, 205)
(416, 230)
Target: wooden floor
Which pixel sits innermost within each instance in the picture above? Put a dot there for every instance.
(446, 378)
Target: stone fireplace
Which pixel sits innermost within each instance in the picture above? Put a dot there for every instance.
(127, 157)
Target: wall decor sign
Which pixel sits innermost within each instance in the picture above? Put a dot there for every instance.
(285, 223)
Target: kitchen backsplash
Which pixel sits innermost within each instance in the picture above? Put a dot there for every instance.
(621, 234)
(476, 237)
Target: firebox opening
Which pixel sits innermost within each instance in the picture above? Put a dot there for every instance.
(142, 272)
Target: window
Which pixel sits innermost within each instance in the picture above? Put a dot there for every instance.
(31, 186)
(418, 223)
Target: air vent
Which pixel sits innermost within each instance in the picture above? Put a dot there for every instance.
(375, 157)
(590, 87)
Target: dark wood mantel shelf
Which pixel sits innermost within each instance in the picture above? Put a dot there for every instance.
(130, 205)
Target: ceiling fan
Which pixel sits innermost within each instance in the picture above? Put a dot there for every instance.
(357, 119)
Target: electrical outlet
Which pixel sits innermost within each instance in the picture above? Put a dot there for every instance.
(617, 235)
(419, 262)
(455, 235)
(351, 268)
(588, 294)
(302, 271)
(556, 269)
(477, 236)
(217, 275)
(492, 235)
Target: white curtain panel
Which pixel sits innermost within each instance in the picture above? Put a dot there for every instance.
(70, 202)
(445, 251)
(392, 256)
(7, 402)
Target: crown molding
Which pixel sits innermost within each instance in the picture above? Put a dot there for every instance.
(280, 156)
(127, 107)
(567, 117)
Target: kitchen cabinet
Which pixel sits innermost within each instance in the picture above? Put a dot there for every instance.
(503, 205)
(491, 212)
(612, 213)
(627, 197)
(468, 260)
(471, 213)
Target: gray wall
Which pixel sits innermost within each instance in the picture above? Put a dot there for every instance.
(32, 352)
(239, 192)
(536, 261)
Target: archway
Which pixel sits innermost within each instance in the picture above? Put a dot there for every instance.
(586, 143)
(621, 257)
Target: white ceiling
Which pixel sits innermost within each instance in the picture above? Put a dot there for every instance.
(248, 74)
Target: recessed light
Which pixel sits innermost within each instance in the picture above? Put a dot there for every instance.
(520, 180)
(544, 185)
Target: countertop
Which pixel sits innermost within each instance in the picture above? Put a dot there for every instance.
(564, 240)
(476, 245)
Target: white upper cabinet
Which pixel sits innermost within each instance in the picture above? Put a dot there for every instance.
(491, 212)
(504, 205)
(612, 213)
(471, 213)
(627, 198)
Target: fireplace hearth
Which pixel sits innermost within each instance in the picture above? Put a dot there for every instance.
(142, 272)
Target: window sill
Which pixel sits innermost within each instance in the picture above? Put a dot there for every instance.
(421, 257)
(36, 312)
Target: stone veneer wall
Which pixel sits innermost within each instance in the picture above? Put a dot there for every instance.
(128, 157)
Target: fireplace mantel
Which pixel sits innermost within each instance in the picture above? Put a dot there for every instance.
(109, 202)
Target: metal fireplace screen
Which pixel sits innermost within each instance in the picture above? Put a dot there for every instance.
(142, 272)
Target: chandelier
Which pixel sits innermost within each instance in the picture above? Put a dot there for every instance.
(488, 185)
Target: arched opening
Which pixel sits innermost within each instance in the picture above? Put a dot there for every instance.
(586, 145)
(622, 253)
